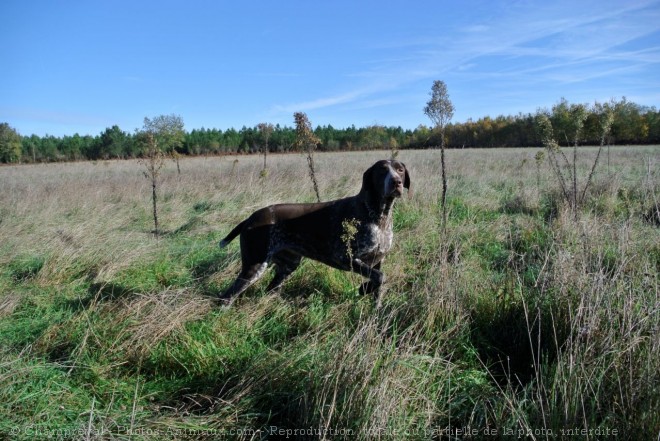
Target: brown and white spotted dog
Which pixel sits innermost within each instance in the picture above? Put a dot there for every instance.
(285, 233)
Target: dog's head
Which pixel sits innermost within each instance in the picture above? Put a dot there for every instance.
(386, 179)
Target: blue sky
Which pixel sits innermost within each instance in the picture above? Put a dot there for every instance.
(81, 66)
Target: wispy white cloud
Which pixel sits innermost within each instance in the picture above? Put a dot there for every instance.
(556, 43)
(480, 28)
(319, 103)
(132, 79)
(577, 76)
(275, 74)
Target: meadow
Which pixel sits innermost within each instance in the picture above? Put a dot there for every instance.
(517, 322)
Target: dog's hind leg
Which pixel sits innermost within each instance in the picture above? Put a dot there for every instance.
(248, 275)
(285, 262)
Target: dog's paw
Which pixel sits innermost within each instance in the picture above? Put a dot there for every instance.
(366, 288)
(224, 302)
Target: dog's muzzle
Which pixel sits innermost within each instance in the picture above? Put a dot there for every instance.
(394, 187)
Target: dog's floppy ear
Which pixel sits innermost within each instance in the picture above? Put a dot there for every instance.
(367, 180)
(406, 180)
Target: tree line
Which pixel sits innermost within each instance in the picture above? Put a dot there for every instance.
(633, 124)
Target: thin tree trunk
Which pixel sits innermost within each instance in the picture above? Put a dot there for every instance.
(575, 209)
(538, 180)
(444, 181)
(312, 173)
(154, 198)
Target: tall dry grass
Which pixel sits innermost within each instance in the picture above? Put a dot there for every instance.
(520, 318)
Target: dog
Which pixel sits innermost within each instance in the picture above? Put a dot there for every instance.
(283, 234)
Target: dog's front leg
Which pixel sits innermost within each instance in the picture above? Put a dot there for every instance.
(374, 274)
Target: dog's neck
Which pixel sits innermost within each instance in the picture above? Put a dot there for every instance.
(379, 209)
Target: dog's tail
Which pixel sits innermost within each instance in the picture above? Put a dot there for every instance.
(232, 235)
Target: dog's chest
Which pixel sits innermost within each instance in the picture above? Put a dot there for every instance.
(373, 241)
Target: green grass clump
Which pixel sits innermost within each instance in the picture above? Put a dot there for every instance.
(40, 392)
(25, 267)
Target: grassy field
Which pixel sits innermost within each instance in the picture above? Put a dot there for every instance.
(517, 323)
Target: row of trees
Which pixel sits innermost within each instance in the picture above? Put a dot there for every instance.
(633, 124)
